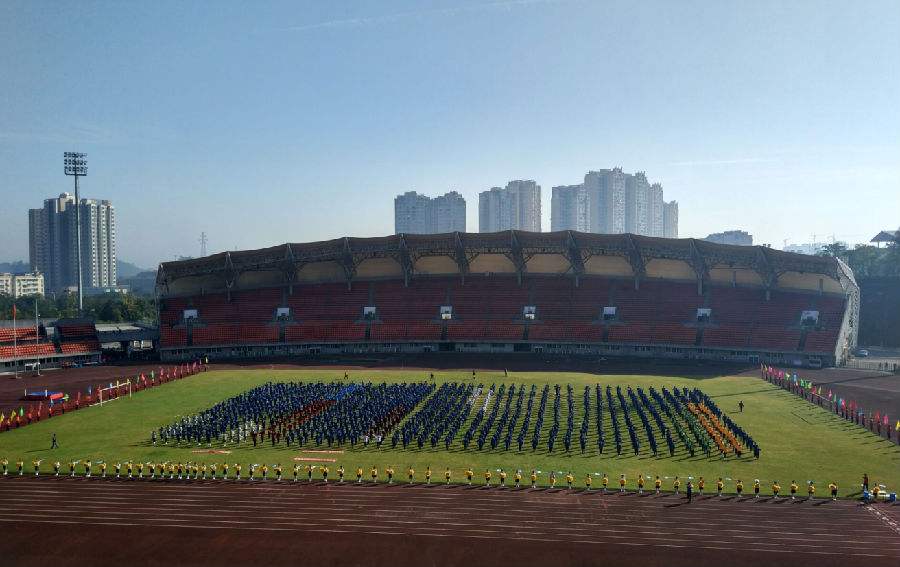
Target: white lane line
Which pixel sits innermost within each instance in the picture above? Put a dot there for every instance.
(887, 520)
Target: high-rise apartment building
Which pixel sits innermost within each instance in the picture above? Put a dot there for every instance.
(570, 208)
(53, 243)
(670, 219)
(607, 188)
(516, 206)
(420, 214)
(611, 201)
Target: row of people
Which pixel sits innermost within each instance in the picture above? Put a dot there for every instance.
(203, 471)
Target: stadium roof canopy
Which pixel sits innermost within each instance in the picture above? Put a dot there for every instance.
(564, 252)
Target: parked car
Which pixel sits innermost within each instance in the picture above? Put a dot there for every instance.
(862, 353)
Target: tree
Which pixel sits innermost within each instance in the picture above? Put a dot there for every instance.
(835, 250)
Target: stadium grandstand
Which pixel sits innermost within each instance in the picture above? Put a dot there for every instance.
(61, 342)
(513, 291)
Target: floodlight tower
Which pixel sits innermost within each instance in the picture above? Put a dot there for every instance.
(75, 165)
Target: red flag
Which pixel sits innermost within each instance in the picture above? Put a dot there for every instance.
(886, 421)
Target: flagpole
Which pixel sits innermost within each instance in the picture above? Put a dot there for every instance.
(15, 345)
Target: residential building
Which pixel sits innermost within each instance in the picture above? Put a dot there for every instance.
(611, 201)
(735, 237)
(21, 285)
(670, 219)
(570, 208)
(420, 214)
(53, 247)
(516, 206)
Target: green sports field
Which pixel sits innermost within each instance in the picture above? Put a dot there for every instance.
(799, 441)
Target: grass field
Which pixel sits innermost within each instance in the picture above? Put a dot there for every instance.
(799, 441)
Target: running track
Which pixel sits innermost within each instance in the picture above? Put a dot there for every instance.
(76, 521)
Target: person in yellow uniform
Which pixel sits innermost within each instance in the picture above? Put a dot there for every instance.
(5, 464)
(341, 473)
(237, 471)
(587, 482)
(720, 486)
(569, 479)
(469, 474)
(622, 484)
(502, 478)
(604, 481)
(700, 485)
(640, 484)
(794, 489)
(278, 471)
(56, 466)
(517, 478)
(676, 484)
(225, 471)
(20, 466)
(296, 471)
(374, 473)
(533, 478)
(447, 475)
(212, 470)
(140, 468)
(359, 473)
(203, 470)
(87, 468)
(834, 490)
(390, 474)
(756, 488)
(739, 487)
(72, 465)
(325, 474)
(37, 467)
(876, 490)
(170, 468)
(657, 484)
(776, 488)
(251, 471)
(264, 469)
(552, 479)
(428, 474)
(487, 478)
(411, 473)
(309, 471)
(810, 490)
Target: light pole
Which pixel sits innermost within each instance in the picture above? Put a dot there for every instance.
(75, 165)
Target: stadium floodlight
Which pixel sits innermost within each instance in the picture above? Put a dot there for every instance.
(75, 165)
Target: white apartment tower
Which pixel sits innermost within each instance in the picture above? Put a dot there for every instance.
(613, 202)
(420, 214)
(53, 243)
(514, 207)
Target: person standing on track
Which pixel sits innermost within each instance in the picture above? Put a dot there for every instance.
(390, 474)
(657, 484)
(533, 478)
(640, 484)
(325, 474)
(469, 474)
(756, 488)
(341, 474)
(517, 478)
(690, 491)
(411, 473)
(447, 475)
(502, 478)
(605, 482)
(834, 490)
(739, 487)
(700, 485)
(810, 490)
(794, 488)
(569, 479)
(776, 488)
(622, 484)
(720, 486)
(428, 474)
(296, 471)
(359, 473)
(374, 473)
(487, 478)
(677, 485)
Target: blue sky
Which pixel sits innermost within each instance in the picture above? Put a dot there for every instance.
(261, 123)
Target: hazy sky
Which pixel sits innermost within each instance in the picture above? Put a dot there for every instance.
(267, 122)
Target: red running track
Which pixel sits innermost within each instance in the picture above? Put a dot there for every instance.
(76, 521)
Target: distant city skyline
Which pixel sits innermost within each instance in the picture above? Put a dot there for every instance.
(281, 124)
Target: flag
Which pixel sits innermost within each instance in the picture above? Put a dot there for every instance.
(886, 420)
(898, 425)
(842, 402)
(829, 394)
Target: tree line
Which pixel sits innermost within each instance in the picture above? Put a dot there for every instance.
(110, 308)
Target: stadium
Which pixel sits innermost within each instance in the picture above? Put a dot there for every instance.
(509, 292)
(453, 386)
